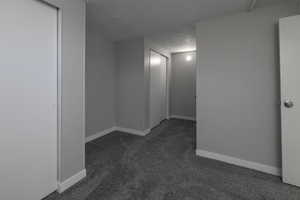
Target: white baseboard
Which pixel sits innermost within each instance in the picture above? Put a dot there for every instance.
(100, 134)
(239, 162)
(71, 181)
(133, 131)
(112, 129)
(182, 117)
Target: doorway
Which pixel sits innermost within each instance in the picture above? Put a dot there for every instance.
(29, 108)
(183, 86)
(158, 88)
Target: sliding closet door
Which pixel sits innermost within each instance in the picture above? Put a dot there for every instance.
(164, 88)
(28, 105)
(158, 74)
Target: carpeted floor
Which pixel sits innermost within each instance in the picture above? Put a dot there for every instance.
(163, 166)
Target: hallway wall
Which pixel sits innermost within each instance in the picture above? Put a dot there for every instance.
(72, 147)
(130, 84)
(100, 80)
(238, 111)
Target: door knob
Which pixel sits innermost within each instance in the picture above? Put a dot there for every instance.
(288, 104)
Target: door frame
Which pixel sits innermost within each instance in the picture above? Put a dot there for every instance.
(59, 6)
(196, 78)
(167, 85)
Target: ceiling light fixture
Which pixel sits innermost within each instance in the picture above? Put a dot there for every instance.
(155, 61)
(188, 58)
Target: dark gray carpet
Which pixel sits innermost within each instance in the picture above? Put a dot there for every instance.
(163, 166)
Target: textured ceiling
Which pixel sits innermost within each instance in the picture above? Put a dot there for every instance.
(181, 40)
(123, 19)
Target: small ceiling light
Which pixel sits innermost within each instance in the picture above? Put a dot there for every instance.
(155, 61)
(188, 58)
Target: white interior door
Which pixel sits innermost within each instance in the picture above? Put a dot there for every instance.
(28, 105)
(290, 98)
(158, 90)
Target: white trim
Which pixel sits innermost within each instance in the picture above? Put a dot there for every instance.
(84, 83)
(239, 162)
(182, 117)
(59, 92)
(100, 134)
(112, 129)
(71, 181)
(133, 131)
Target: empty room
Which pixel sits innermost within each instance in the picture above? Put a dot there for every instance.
(150, 100)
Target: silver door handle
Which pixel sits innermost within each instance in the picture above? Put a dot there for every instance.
(288, 104)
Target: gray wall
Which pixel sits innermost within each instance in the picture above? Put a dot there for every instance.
(238, 85)
(183, 85)
(73, 89)
(130, 82)
(100, 80)
(72, 139)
